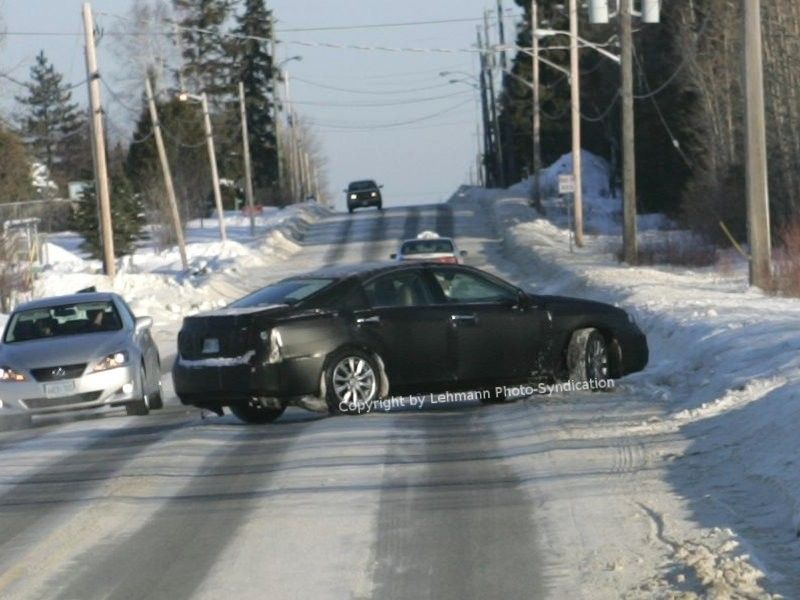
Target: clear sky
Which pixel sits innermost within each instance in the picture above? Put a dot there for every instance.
(430, 142)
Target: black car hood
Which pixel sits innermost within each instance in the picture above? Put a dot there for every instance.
(567, 305)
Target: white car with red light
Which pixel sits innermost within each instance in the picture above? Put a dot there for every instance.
(430, 246)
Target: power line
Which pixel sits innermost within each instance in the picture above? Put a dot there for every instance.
(369, 127)
(368, 92)
(381, 25)
(378, 104)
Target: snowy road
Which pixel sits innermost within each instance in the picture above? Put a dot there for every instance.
(539, 498)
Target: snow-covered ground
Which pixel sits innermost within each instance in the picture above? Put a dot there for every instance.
(723, 383)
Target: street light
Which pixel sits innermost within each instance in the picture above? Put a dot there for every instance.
(212, 156)
(479, 85)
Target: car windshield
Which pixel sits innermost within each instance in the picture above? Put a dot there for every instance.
(288, 291)
(362, 185)
(427, 247)
(63, 320)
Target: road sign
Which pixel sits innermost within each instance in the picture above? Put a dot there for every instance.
(566, 184)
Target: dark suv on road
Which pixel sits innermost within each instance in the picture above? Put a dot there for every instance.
(363, 193)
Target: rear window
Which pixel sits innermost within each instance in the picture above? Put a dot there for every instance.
(288, 291)
(427, 247)
(63, 320)
(362, 185)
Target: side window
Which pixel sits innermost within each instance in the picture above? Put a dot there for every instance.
(127, 314)
(460, 286)
(406, 288)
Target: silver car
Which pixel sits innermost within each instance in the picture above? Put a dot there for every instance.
(81, 351)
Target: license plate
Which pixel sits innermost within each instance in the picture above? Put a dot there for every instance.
(57, 390)
(211, 346)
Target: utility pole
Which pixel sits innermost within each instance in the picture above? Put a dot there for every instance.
(488, 147)
(575, 82)
(293, 162)
(212, 159)
(248, 174)
(490, 62)
(756, 149)
(99, 145)
(629, 243)
(537, 125)
(165, 170)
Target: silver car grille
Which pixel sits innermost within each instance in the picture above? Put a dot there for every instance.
(58, 372)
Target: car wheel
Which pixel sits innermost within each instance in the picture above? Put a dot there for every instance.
(380, 206)
(350, 209)
(140, 407)
(587, 356)
(156, 400)
(256, 414)
(352, 381)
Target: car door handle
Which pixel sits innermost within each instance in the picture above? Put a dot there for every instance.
(463, 318)
(366, 320)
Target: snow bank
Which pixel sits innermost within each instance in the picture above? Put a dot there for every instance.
(724, 367)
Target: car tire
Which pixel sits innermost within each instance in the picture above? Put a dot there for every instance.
(380, 206)
(140, 407)
(156, 400)
(337, 383)
(587, 356)
(256, 415)
(350, 209)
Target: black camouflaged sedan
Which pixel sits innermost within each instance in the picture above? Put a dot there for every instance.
(352, 335)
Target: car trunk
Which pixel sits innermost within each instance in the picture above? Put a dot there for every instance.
(227, 333)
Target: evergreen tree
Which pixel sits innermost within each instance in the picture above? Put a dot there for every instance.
(184, 139)
(15, 172)
(254, 68)
(205, 51)
(127, 215)
(661, 170)
(51, 118)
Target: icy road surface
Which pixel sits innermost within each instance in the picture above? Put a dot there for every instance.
(546, 497)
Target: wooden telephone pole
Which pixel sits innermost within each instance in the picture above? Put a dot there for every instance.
(248, 174)
(99, 145)
(537, 126)
(756, 149)
(165, 170)
(629, 243)
(575, 83)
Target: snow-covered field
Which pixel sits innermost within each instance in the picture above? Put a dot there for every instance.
(723, 383)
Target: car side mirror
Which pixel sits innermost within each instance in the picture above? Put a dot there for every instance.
(393, 255)
(143, 323)
(380, 186)
(463, 253)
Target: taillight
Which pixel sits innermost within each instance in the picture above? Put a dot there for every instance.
(448, 260)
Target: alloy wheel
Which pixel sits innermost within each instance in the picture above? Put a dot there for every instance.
(354, 381)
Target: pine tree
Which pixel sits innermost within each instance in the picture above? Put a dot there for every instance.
(254, 68)
(205, 50)
(51, 118)
(15, 172)
(184, 139)
(127, 215)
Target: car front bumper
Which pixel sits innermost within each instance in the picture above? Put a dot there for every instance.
(92, 390)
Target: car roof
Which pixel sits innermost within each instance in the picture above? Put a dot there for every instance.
(68, 299)
(365, 270)
(362, 181)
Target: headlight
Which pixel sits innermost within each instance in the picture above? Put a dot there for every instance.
(374, 194)
(112, 361)
(353, 196)
(7, 374)
(275, 346)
